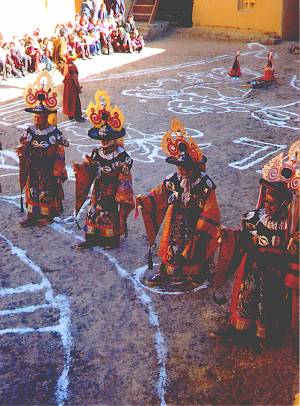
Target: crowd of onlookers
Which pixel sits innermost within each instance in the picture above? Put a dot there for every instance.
(99, 28)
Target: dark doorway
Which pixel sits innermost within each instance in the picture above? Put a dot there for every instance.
(178, 12)
(290, 20)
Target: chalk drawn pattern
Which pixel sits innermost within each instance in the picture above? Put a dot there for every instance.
(51, 301)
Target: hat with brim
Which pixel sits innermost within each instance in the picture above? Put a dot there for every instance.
(185, 161)
(277, 189)
(39, 109)
(106, 133)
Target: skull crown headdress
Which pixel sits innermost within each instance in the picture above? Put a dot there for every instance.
(177, 135)
(101, 112)
(41, 93)
(285, 168)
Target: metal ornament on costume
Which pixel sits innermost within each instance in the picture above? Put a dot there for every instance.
(107, 120)
(182, 150)
(40, 97)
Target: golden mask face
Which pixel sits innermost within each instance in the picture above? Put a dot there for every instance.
(52, 119)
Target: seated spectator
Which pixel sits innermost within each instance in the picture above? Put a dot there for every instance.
(36, 36)
(130, 25)
(112, 25)
(137, 41)
(3, 63)
(83, 22)
(46, 55)
(20, 49)
(122, 42)
(83, 42)
(119, 19)
(34, 52)
(16, 57)
(70, 27)
(104, 34)
(77, 25)
(92, 43)
(75, 47)
(11, 69)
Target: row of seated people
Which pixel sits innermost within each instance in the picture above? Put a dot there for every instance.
(19, 57)
(91, 36)
(84, 38)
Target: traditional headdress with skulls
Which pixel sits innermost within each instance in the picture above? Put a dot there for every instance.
(285, 168)
(40, 97)
(181, 149)
(107, 120)
(281, 177)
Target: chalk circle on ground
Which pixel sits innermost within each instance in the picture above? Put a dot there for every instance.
(141, 275)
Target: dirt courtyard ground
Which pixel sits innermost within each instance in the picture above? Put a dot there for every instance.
(79, 328)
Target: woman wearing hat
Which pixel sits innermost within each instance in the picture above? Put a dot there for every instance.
(269, 240)
(108, 168)
(187, 203)
(41, 154)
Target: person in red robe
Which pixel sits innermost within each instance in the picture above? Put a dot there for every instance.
(268, 77)
(235, 71)
(72, 89)
(269, 71)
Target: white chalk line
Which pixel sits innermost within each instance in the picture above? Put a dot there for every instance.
(180, 102)
(25, 309)
(59, 302)
(294, 82)
(198, 98)
(138, 274)
(30, 287)
(261, 146)
(159, 340)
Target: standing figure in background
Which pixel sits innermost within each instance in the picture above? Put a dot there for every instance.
(118, 6)
(108, 6)
(235, 71)
(269, 71)
(42, 157)
(72, 89)
(186, 200)
(108, 167)
(60, 49)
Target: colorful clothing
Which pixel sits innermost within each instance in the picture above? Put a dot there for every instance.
(269, 74)
(42, 170)
(235, 71)
(192, 220)
(71, 100)
(259, 293)
(112, 195)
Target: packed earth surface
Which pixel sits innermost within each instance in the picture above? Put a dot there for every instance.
(80, 327)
